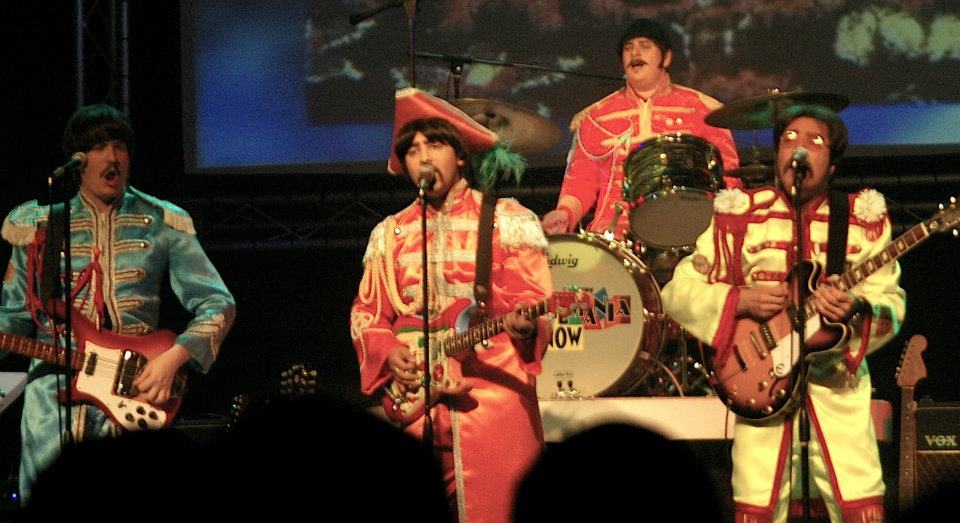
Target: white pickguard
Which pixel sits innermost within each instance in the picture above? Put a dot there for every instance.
(130, 413)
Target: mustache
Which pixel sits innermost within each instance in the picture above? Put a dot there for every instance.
(636, 62)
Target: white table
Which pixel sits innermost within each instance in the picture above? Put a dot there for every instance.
(11, 387)
(696, 418)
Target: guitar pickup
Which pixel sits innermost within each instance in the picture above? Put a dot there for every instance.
(130, 365)
(91, 365)
(756, 345)
(794, 315)
(740, 359)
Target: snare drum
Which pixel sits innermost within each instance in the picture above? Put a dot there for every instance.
(669, 181)
(607, 347)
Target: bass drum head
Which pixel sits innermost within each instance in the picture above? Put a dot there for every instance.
(608, 349)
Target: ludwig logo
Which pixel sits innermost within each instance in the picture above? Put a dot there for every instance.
(569, 261)
(941, 441)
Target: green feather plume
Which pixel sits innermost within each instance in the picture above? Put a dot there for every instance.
(496, 165)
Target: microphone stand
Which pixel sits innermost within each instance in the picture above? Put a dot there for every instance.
(410, 7)
(53, 276)
(456, 63)
(799, 318)
(425, 280)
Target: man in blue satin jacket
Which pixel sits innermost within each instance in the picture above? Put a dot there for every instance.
(124, 244)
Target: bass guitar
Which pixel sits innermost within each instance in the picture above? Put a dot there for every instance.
(909, 372)
(104, 366)
(451, 337)
(757, 378)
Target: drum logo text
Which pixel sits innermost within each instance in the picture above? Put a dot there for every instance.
(586, 310)
(569, 262)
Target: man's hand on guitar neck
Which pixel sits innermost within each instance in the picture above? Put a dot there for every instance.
(519, 327)
(155, 381)
(834, 304)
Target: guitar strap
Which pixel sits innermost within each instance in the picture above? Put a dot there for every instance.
(481, 285)
(837, 232)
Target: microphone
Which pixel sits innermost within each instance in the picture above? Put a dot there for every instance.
(427, 175)
(799, 160)
(77, 161)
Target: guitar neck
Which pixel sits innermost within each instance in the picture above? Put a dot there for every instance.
(487, 329)
(892, 252)
(908, 446)
(39, 350)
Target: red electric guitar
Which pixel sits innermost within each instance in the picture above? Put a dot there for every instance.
(451, 335)
(105, 364)
(757, 378)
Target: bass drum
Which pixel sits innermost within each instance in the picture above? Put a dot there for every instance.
(607, 344)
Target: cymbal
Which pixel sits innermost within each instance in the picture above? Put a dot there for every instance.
(527, 131)
(758, 112)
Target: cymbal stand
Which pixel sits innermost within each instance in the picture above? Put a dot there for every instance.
(456, 64)
(410, 7)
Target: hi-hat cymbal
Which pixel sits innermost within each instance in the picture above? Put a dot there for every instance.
(527, 131)
(758, 112)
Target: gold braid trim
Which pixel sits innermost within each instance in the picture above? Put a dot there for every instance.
(18, 234)
(390, 276)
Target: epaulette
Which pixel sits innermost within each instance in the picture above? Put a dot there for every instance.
(707, 100)
(518, 226)
(175, 217)
(869, 207)
(20, 226)
(737, 201)
(377, 246)
(577, 118)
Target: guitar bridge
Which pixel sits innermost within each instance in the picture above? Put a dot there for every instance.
(131, 363)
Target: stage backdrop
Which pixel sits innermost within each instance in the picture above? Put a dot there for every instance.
(296, 86)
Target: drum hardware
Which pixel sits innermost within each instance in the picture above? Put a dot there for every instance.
(760, 112)
(565, 389)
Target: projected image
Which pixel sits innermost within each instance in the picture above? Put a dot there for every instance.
(874, 53)
(304, 87)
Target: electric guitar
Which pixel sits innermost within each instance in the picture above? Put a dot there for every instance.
(909, 372)
(757, 378)
(451, 337)
(105, 364)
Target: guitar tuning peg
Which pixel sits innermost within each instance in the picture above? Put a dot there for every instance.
(953, 199)
(955, 233)
(940, 206)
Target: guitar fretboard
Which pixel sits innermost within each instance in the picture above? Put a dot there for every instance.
(37, 349)
(487, 329)
(897, 248)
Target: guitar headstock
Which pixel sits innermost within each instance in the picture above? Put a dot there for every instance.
(911, 368)
(948, 217)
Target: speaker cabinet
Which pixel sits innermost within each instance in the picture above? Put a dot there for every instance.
(938, 445)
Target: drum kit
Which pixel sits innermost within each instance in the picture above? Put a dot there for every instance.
(669, 182)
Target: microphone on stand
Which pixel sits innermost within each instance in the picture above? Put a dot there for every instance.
(76, 162)
(427, 174)
(799, 160)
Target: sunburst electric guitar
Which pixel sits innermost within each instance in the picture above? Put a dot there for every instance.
(105, 364)
(910, 371)
(757, 378)
(451, 335)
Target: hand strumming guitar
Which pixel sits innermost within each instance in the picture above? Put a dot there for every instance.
(402, 363)
(762, 302)
(155, 381)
